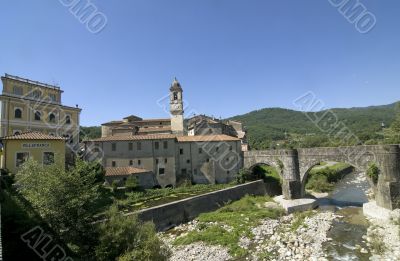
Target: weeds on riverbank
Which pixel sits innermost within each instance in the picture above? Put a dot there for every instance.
(227, 225)
(377, 244)
(323, 179)
(299, 218)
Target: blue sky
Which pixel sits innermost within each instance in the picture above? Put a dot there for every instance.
(231, 56)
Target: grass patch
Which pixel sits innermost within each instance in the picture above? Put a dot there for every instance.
(323, 179)
(240, 216)
(128, 201)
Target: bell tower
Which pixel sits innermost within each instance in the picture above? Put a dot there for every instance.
(176, 108)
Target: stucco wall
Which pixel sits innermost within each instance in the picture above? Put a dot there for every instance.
(14, 146)
(175, 213)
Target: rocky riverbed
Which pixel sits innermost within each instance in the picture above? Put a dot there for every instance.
(292, 237)
(383, 238)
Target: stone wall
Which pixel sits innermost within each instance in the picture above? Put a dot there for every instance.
(178, 212)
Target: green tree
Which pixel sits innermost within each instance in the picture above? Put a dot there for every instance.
(64, 200)
(127, 238)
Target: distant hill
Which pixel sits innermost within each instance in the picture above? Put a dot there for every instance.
(266, 126)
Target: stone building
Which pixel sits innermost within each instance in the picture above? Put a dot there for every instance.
(171, 158)
(162, 147)
(27, 105)
(206, 125)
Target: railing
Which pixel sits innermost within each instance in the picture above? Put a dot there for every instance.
(32, 82)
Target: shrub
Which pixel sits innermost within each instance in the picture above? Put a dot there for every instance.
(373, 172)
(132, 183)
(114, 186)
(127, 238)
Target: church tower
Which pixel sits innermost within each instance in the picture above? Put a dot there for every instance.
(176, 108)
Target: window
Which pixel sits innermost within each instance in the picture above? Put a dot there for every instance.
(16, 132)
(175, 95)
(230, 148)
(208, 160)
(188, 161)
(139, 146)
(139, 162)
(52, 118)
(156, 145)
(183, 171)
(216, 149)
(156, 161)
(21, 157)
(48, 158)
(200, 150)
(67, 119)
(38, 115)
(161, 171)
(181, 151)
(227, 172)
(195, 171)
(113, 146)
(165, 144)
(165, 160)
(36, 94)
(52, 97)
(18, 113)
(17, 90)
(130, 146)
(131, 163)
(113, 163)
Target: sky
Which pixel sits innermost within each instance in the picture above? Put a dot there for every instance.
(230, 56)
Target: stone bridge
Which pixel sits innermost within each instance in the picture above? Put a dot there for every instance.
(294, 165)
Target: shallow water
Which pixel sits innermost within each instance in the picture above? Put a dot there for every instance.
(346, 233)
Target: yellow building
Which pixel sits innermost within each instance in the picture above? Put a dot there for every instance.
(43, 148)
(27, 105)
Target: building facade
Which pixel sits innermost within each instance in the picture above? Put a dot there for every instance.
(171, 158)
(206, 125)
(27, 105)
(43, 148)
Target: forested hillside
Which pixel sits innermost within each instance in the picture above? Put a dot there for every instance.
(276, 127)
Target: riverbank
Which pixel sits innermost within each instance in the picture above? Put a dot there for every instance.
(297, 236)
(312, 235)
(383, 238)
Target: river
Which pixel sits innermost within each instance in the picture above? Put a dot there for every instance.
(347, 232)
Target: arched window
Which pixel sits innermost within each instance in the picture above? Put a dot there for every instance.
(175, 95)
(38, 116)
(67, 119)
(18, 113)
(52, 117)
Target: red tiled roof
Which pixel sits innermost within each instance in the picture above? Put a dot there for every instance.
(123, 171)
(33, 135)
(136, 137)
(204, 138)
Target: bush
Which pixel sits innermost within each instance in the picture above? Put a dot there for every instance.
(114, 186)
(373, 172)
(127, 238)
(319, 183)
(132, 183)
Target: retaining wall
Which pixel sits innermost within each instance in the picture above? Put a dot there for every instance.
(182, 211)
